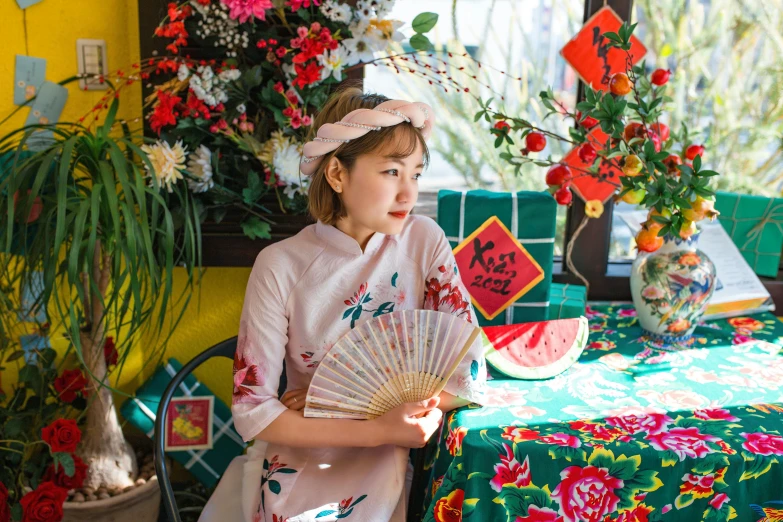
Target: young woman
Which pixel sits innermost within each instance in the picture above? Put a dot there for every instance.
(366, 255)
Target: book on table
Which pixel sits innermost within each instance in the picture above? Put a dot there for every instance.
(738, 290)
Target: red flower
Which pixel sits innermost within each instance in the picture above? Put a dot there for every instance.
(195, 107)
(307, 75)
(109, 351)
(637, 514)
(718, 500)
(175, 30)
(509, 471)
(517, 434)
(763, 443)
(295, 5)
(454, 440)
(69, 384)
(446, 296)
(245, 375)
(651, 423)
(62, 435)
(587, 493)
(715, 414)
(279, 87)
(539, 514)
(164, 111)
(449, 508)
(562, 439)
(45, 504)
(5, 511)
(357, 296)
(61, 479)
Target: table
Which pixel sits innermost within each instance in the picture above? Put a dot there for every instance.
(633, 431)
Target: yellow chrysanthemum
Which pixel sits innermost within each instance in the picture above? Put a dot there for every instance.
(594, 208)
(167, 162)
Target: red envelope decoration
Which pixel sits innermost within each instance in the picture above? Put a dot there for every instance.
(590, 187)
(496, 268)
(189, 423)
(587, 52)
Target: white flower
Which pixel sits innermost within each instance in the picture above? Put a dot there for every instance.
(384, 8)
(241, 109)
(291, 190)
(386, 31)
(360, 49)
(333, 62)
(230, 75)
(210, 88)
(200, 166)
(336, 12)
(167, 161)
(183, 72)
(285, 163)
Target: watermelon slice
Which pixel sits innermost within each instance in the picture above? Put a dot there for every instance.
(537, 350)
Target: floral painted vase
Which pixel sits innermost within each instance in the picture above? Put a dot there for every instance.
(671, 288)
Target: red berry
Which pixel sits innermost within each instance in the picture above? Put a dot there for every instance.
(693, 151)
(588, 123)
(620, 84)
(634, 130)
(563, 196)
(535, 141)
(660, 76)
(502, 125)
(671, 163)
(656, 141)
(558, 174)
(662, 129)
(587, 153)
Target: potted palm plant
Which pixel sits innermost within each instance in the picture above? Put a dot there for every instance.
(87, 209)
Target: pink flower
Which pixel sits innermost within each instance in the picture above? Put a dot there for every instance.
(718, 500)
(243, 10)
(626, 312)
(539, 514)
(651, 423)
(763, 443)
(740, 339)
(509, 471)
(685, 442)
(562, 439)
(586, 494)
(715, 414)
(245, 375)
(665, 509)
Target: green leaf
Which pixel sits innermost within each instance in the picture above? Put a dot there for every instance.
(469, 506)
(420, 42)
(15, 355)
(274, 487)
(13, 427)
(31, 375)
(254, 228)
(424, 22)
(66, 461)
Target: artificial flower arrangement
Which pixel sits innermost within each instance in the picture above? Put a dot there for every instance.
(233, 127)
(661, 170)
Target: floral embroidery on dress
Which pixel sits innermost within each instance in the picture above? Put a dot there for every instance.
(445, 295)
(271, 467)
(245, 375)
(361, 297)
(307, 357)
(344, 510)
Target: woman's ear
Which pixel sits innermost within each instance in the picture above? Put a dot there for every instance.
(335, 174)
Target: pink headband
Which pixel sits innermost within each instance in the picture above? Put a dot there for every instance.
(357, 123)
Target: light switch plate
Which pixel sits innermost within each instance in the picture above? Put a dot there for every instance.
(91, 58)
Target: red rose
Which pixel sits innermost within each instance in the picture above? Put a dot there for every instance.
(5, 511)
(60, 478)
(62, 435)
(45, 504)
(70, 383)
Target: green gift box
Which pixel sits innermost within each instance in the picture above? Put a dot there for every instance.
(207, 465)
(529, 216)
(754, 224)
(567, 301)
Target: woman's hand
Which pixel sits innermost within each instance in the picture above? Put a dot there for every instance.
(409, 425)
(294, 399)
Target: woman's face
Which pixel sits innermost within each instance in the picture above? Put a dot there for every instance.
(377, 187)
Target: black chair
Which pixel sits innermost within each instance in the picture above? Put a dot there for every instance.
(227, 349)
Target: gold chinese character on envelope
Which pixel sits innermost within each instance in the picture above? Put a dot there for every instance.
(496, 268)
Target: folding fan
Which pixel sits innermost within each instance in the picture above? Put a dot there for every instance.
(399, 357)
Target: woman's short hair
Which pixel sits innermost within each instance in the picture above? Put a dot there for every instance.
(324, 203)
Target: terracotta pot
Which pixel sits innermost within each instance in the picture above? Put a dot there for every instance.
(140, 504)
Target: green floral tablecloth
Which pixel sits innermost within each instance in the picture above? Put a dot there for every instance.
(635, 431)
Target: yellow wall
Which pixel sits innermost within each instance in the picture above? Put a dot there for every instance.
(49, 30)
